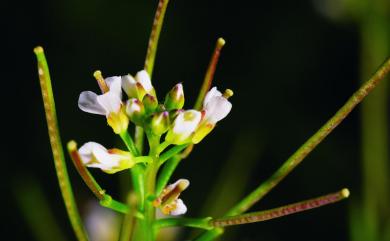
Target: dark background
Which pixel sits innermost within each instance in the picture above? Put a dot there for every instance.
(290, 68)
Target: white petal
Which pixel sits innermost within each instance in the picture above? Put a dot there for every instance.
(88, 102)
(87, 149)
(110, 102)
(210, 94)
(106, 160)
(143, 78)
(114, 84)
(186, 123)
(217, 108)
(129, 85)
(180, 208)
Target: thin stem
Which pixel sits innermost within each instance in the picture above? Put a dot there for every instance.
(154, 36)
(166, 173)
(208, 79)
(137, 172)
(281, 211)
(56, 146)
(162, 146)
(308, 146)
(139, 139)
(129, 143)
(105, 199)
(202, 223)
(171, 152)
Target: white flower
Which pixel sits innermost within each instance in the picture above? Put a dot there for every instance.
(216, 106)
(169, 201)
(139, 86)
(97, 156)
(184, 126)
(104, 104)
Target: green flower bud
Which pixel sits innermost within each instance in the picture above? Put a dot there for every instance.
(175, 98)
(136, 111)
(150, 102)
(159, 123)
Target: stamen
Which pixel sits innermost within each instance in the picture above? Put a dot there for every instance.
(228, 93)
(102, 84)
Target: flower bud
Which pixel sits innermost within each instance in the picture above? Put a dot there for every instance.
(135, 110)
(160, 123)
(175, 98)
(183, 127)
(118, 121)
(150, 102)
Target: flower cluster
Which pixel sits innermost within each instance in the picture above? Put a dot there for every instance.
(143, 109)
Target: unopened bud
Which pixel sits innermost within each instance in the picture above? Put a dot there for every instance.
(135, 110)
(118, 121)
(150, 102)
(160, 123)
(175, 98)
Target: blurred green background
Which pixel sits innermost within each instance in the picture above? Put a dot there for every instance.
(291, 64)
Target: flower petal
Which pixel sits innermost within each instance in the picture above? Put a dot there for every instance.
(180, 208)
(129, 86)
(88, 102)
(110, 102)
(143, 78)
(210, 94)
(86, 150)
(114, 83)
(185, 124)
(217, 108)
(106, 160)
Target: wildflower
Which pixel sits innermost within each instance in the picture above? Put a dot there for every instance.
(169, 201)
(215, 107)
(109, 104)
(183, 127)
(110, 161)
(139, 86)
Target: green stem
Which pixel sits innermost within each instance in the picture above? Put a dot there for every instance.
(154, 36)
(139, 139)
(129, 143)
(202, 223)
(171, 152)
(150, 182)
(166, 173)
(310, 144)
(55, 141)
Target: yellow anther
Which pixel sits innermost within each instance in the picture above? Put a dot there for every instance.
(102, 84)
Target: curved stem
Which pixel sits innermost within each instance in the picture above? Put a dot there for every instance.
(56, 146)
(166, 174)
(171, 152)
